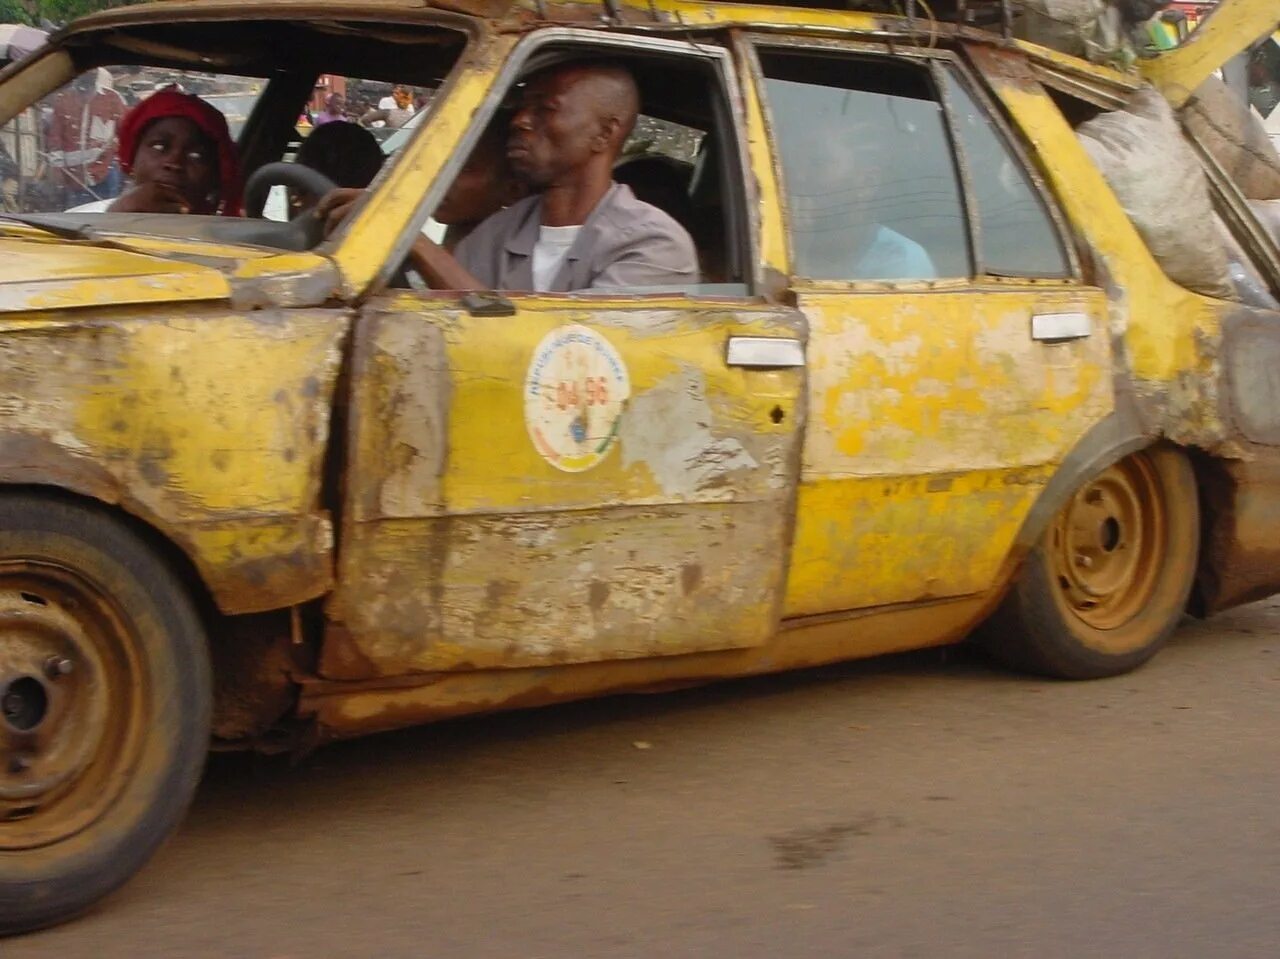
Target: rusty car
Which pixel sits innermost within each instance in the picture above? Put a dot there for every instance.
(256, 492)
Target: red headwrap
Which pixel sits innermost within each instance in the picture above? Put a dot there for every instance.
(171, 103)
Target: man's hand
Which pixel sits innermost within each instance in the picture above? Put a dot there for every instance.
(335, 206)
(151, 198)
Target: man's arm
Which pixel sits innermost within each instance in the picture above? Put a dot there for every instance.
(433, 262)
(439, 268)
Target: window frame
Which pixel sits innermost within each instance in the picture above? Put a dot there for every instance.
(740, 192)
(1007, 137)
(933, 61)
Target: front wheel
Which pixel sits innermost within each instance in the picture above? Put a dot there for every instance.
(105, 701)
(1108, 581)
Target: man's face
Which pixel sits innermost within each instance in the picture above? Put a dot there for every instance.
(337, 103)
(401, 96)
(557, 128)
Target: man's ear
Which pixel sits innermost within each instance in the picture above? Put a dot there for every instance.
(609, 128)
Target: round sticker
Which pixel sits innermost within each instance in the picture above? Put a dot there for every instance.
(573, 397)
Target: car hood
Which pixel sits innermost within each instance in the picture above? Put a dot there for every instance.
(46, 264)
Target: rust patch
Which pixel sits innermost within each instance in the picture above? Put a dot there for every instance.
(1240, 559)
(690, 577)
(598, 595)
(253, 662)
(341, 658)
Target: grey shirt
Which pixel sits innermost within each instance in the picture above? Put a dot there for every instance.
(624, 242)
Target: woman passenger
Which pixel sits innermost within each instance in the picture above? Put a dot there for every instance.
(179, 153)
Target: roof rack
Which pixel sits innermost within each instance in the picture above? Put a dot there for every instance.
(989, 14)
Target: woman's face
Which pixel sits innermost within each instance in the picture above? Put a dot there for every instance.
(173, 152)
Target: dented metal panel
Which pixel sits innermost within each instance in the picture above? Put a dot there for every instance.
(471, 542)
(935, 421)
(207, 424)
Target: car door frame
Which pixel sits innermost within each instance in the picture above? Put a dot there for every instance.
(368, 637)
(822, 558)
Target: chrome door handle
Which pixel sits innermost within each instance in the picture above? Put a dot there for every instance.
(764, 352)
(1057, 327)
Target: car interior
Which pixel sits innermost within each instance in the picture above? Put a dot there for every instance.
(683, 156)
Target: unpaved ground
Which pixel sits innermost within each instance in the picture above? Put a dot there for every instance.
(925, 805)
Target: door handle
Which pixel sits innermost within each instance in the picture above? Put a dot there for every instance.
(1059, 327)
(764, 352)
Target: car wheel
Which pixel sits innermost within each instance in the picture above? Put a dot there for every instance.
(105, 700)
(1108, 581)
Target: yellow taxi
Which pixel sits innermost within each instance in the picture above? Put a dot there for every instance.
(258, 490)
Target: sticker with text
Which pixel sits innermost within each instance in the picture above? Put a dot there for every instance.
(574, 392)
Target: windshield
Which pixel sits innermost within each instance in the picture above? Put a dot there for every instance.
(270, 85)
(62, 153)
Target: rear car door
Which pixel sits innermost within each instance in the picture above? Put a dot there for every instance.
(955, 353)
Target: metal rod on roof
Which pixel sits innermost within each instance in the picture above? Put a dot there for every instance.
(911, 15)
(960, 12)
(1006, 19)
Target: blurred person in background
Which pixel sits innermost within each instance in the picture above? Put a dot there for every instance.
(335, 110)
(82, 139)
(393, 111)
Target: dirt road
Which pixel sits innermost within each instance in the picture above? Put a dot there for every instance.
(917, 806)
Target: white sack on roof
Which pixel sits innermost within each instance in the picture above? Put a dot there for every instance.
(1159, 182)
(1236, 138)
(1268, 214)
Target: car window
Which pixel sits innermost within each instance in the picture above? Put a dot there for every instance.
(60, 154)
(681, 157)
(871, 187)
(1016, 237)
(1264, 84)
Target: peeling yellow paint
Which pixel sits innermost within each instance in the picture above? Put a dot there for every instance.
(210, 425)
(910, 493)
(465, 546)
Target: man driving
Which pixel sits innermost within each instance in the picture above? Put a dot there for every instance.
(580, 230)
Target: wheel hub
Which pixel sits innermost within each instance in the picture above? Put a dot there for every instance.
(1106, 545)
(65, 702)
(24, 704)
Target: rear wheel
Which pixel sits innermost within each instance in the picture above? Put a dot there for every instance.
(105, 699)
(1107, 584)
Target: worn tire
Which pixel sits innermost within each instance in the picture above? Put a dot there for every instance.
(111, 714)
(1108, 582)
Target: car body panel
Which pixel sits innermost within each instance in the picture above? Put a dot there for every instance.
(232, 397)
(469, 544)
(936, 419)
(42, 274)
(208, 424)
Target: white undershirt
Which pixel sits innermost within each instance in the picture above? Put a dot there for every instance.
(549, 253)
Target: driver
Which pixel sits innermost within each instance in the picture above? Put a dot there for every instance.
(581, 230)
(179, 153)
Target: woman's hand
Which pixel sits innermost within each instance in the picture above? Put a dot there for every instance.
(151, 198)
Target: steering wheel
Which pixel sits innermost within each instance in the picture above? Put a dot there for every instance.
(304, 179)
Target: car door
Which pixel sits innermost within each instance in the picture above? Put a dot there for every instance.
(536, 479)
(955, 353)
